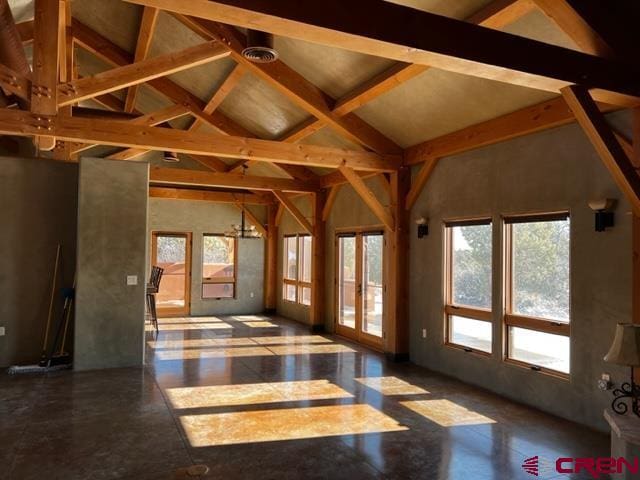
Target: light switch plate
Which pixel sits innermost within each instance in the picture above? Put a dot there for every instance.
(2, 333)
(424, 333)
(132, 279)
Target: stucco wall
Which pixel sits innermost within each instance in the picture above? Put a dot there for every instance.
(199, 218)
(38, 211)
(549, 171)
(112, 226)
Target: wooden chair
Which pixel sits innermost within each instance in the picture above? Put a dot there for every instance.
(152, 288)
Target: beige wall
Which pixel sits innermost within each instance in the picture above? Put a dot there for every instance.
(38, 211)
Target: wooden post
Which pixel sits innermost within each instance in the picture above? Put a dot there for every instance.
(271, 259)
(318, 262)
(396, 332)
(44, 96)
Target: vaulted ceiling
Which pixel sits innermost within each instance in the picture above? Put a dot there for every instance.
(428, 105)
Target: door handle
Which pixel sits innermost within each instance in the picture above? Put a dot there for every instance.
(360, 289)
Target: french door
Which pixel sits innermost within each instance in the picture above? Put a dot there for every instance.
(172, 252)
(360, 286)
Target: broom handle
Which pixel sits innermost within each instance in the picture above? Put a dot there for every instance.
(66, 322)
(53, 291)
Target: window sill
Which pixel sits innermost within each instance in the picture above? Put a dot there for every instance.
(540, 370)
(464, 349)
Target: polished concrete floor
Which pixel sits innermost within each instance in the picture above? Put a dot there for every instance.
(261, 398)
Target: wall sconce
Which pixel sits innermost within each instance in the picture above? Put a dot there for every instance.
(423, 227)
(604, 213)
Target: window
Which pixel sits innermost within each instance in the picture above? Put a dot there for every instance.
(297, 269)
(219, 255)
(537, 289)
(468, 285)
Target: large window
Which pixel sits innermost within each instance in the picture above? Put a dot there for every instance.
(537, 289)
(297, 269)
(468, 285)
(219, 254)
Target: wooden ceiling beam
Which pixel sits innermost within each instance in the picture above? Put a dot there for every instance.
(110, 53)
(145, 36)
(497, 14)
(600, 134)
(44, 92)
(163, 139)
(155, 118)
(420, 181)
(178, 176)
(15, 83)
(295, 87)
(413, 36)
(286, 202)
(206, 196)
(571, 22)
(25, 30)
(542, 116)
(328, 204)
(369, 198)
(204, 112)
(139, 72)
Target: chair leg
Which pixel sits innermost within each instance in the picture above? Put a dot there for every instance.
(154, 314)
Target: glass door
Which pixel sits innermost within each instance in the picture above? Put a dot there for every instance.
(172, 252)
(360, 286)
(372, 283)
(347, 283)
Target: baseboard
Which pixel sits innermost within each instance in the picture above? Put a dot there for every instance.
(397, 357)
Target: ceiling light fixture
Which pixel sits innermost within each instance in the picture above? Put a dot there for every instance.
(243, 230)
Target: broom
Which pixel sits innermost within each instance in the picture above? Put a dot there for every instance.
(45, 364)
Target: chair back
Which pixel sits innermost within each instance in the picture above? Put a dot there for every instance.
(156, 276)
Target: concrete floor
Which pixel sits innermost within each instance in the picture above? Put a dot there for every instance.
(258, 397)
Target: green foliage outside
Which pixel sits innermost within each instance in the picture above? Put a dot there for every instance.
(540, 268)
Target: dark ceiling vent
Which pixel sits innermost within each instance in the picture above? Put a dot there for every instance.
(170, 157)
(260, 47)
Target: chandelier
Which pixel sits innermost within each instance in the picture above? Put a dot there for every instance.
(242, 230)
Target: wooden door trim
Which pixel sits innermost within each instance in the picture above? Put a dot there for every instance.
(186, 310)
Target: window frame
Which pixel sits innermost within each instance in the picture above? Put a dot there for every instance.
(220, 280)
(452, 309)
(296, 282)
(511, 319)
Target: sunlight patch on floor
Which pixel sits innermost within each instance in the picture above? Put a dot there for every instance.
(285, 424)
(291, 339)
(390, 386)
(261, 324)
(170, 327)
(446, 413)
(305, 349)
(202, 342)
(254, 393)
(187, 320)
(224, 352)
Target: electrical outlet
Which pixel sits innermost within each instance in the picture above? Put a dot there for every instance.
(132, 279)
(424, 333)
(251, 295)
(2, 332)
(605, 382)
